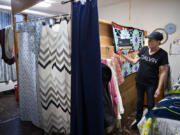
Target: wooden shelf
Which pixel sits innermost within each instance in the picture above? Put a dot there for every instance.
(106, 33)
(107, 51)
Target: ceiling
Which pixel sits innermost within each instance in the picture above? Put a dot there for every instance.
(58, 8)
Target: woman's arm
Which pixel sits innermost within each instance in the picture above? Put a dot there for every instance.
(132, 61)
(162, 78)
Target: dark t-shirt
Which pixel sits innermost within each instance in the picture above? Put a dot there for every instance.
(149, 66)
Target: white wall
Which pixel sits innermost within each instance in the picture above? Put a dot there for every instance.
(148, 15)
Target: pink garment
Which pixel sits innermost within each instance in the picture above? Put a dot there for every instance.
(113, 93)
(112, 90)
(118, 68)
(104, 61)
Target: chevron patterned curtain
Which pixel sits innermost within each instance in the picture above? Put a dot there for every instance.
(87, 112)
(54, 67)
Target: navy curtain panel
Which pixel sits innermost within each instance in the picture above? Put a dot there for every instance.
(87, 110)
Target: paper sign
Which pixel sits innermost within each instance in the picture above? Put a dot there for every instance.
(175, 47)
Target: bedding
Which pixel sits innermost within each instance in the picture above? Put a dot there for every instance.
(164, 118)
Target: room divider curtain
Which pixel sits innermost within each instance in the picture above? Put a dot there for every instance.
(87, 112)
(29, 40)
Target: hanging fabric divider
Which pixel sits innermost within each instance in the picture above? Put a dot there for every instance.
(16, 41)
(54, 68)
(87, 111)
(26, 31)
(29, 39)
(87, 114)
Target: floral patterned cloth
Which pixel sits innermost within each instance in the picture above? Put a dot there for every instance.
(161, 126)
(158, 126)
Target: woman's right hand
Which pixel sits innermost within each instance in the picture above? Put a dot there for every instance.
(115, 55)
(120, 50)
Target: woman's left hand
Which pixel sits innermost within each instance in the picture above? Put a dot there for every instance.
(157, 93)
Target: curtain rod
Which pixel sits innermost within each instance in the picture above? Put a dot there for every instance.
(43, 18)
(67, 1)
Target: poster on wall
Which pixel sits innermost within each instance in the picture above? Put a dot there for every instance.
(175, 47)
(128, 36)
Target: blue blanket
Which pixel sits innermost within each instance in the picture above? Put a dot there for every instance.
(168, 108)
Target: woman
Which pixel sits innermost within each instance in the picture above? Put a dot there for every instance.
(153, 66)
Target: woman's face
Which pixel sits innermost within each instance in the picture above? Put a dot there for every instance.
(153, 43)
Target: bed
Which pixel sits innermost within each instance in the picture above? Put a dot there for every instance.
(164, 118)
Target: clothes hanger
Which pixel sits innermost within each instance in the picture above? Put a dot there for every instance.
(58, 20)
(67, 19)
(43, 23)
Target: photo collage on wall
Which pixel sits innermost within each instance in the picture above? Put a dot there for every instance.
(128, 36)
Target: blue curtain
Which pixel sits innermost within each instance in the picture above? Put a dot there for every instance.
(87, 112)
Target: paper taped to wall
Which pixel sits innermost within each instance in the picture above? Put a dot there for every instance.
(175, 47)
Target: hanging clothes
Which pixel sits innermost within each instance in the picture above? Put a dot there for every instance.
(13, 72)
(108, 107)
(7, 43)
(29, 40)
(5, 76)
(7, 72)
(87, 109)
(2, 77)
(118, 68)
(120, 108)
(112, 90)
(55, 78)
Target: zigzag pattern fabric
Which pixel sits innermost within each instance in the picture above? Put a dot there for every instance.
(54, 66)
